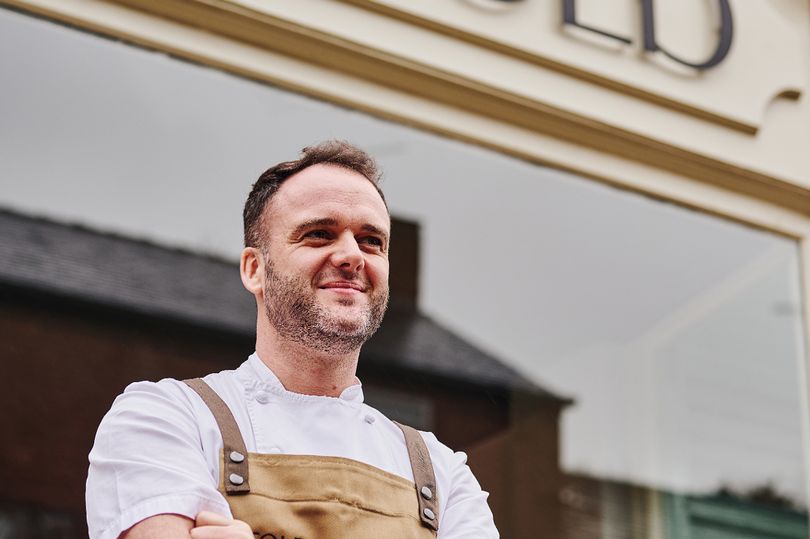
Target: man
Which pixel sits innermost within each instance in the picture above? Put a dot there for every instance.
(283, 446)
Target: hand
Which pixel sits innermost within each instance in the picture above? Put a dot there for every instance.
(210, 525)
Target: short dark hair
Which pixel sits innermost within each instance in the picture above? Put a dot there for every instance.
(331, 152)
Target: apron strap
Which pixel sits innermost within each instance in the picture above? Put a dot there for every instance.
(233, 445)
(423, 476)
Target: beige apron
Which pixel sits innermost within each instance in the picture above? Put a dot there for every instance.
(309, 497)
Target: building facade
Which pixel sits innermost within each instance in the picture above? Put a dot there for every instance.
(613, 198)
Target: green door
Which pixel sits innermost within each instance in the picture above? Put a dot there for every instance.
(726, 518)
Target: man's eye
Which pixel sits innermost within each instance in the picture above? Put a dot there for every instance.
(372, 240)
(318, 235)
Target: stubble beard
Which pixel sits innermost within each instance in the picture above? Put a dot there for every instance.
(294, 312)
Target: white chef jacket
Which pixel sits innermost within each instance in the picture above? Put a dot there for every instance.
(158, 449)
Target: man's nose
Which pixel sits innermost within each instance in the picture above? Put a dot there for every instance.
(347, 254)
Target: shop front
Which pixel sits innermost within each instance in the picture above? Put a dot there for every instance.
(606, 206)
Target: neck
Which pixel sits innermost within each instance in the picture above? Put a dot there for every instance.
(301, 369)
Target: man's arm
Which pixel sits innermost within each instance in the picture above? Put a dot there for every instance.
(466, 514)
(161, 527)
(207, 526)
(148, 460)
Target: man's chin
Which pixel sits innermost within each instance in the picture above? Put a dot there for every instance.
(346, 309)
(345, 301)
(347, 325)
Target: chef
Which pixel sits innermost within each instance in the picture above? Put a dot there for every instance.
(284, 447)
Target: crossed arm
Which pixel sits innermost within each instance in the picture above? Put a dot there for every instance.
(208, 525)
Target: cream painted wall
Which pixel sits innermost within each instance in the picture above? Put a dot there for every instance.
(771, 54)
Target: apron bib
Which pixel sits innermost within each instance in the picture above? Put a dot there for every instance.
(309, 497)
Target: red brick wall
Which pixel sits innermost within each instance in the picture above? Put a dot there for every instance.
(520, 469)
(61, 373)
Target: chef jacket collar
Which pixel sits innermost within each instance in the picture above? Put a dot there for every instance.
(270, 381)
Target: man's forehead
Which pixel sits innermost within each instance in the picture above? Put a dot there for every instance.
(324, 179)
(328, 192)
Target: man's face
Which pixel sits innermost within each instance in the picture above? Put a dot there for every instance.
(326, 251)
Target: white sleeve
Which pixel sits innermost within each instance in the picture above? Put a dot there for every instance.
(148, 459)
(465, 513)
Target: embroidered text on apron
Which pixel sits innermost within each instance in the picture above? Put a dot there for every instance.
(309, 497)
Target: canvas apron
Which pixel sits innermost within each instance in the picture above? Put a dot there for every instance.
(309, 497)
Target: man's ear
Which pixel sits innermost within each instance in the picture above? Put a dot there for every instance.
(251, 269)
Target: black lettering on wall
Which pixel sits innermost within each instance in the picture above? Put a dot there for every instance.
(570, 17)
(723, 45)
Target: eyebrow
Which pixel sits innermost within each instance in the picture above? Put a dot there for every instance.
(328, 221)
(374, 230)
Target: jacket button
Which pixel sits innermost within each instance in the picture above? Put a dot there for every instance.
(426, 493)
(236, 479)
(236, 457)
(429, 514)
(262, 397)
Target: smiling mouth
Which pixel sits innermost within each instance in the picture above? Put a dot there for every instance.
(343, 286)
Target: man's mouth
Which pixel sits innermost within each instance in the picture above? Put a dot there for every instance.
(347, 286)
